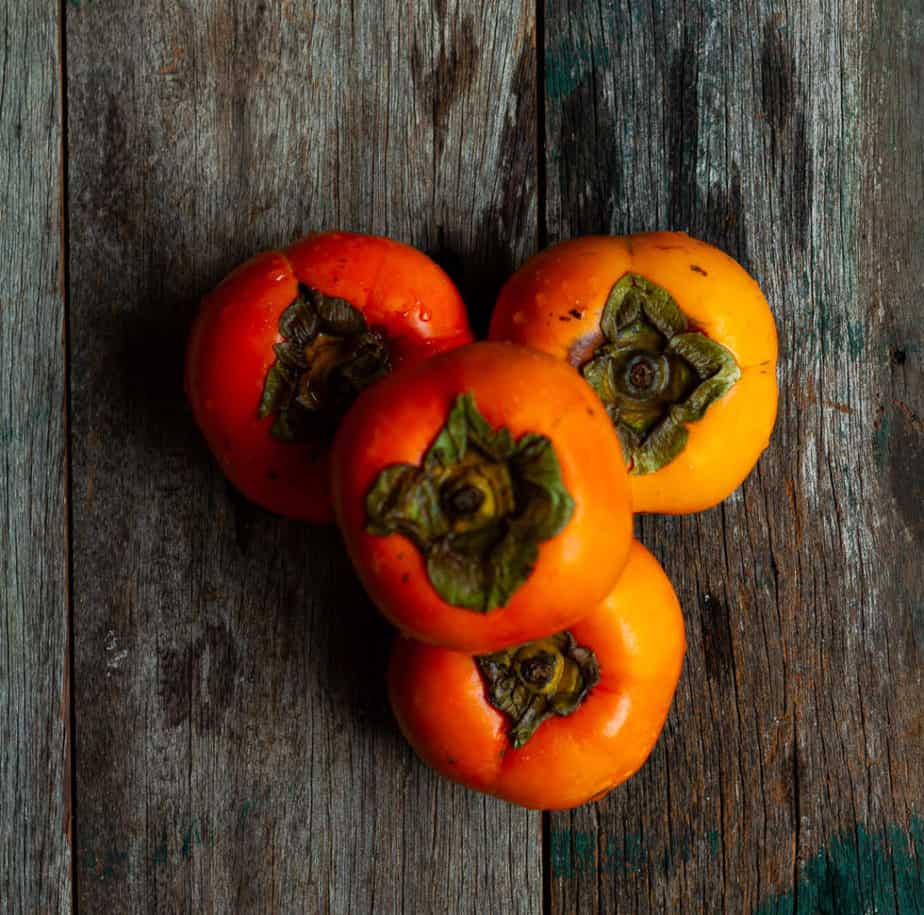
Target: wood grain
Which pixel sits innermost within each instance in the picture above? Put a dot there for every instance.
(789, 776)
(234, 749)
(35, 808)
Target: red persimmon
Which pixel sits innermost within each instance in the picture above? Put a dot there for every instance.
(281, 348)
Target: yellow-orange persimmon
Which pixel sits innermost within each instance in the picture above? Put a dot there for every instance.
(677, 340)
(554, 723)
(482, 496)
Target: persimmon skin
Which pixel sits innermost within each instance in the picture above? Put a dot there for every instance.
(396, 420)
(555, 303)
(637, 634)
(400, 291)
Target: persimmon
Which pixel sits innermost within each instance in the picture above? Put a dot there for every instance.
(482, 496)
(677, 340)
(281, 348)
(556, 722)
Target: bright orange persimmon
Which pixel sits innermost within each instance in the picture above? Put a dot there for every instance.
(554, 723)
(283, 345)
(678, 341)
(482, 496)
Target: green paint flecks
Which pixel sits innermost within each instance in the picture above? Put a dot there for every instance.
(584, 848)
(246, 810)
(567, 67)
(574, 853)
(856, 338)
(191, 837)
(631, 856)
(563, 74)
(837, 334)
(116, 863)
(560, 854)
(857, 872)
(161, 853)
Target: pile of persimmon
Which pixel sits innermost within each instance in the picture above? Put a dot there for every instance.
(485, 491)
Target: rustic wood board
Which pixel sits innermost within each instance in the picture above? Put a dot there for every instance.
(35, 776)
(789, 777)
(234, 750)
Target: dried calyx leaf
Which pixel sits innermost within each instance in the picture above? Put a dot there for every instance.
(653, 373)
(532, 682)
(477, 507)
(328, 355)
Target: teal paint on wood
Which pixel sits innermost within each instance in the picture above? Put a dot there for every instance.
(560, 854)
(191, 839)
(578, 853)
(858, 872)
(572, 853)
(569, 62)
(836, 334)
(565, 71)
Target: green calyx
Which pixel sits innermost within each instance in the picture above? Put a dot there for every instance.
(477, 507)
(328, 355)
(532, 682)
(653, 373)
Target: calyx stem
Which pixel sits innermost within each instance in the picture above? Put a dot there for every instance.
(477, 507)
(529, 683)
(654, 373)
(327, 356)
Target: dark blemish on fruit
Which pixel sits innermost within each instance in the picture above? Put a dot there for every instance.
(451, 760)
(576, 314)
(697, 269)
(405, 578)
(564, 318)
(590, 412)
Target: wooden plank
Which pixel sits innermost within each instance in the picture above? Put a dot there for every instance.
(235, 749)
(35, 777)
(789, 776)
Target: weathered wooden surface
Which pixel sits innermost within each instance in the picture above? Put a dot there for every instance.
(789, 778)
(35, 808)
(234, 749)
